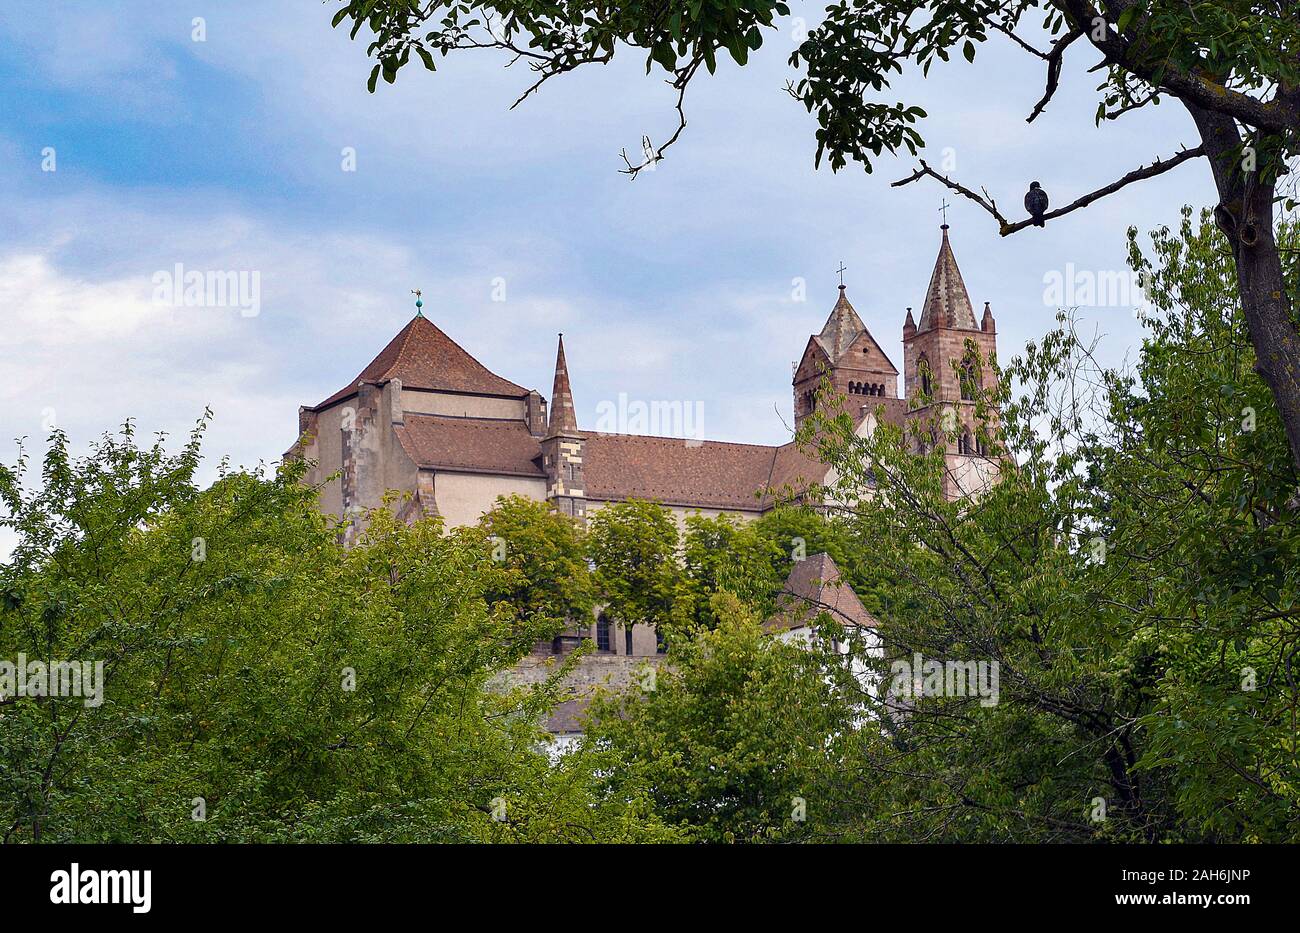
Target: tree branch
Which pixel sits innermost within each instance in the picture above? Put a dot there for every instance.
(985, 202)
(1006, 228)
(1053, 71)
(653, 155)
(1278, 115)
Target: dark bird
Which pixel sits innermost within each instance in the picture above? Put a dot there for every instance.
(1036, 203)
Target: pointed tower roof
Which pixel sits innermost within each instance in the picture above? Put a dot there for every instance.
(947, 303)
(423, 357)
(841, 328)
(564, 418)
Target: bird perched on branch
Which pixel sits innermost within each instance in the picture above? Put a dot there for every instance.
(1036, 203)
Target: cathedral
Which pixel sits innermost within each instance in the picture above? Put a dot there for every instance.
(425, 418)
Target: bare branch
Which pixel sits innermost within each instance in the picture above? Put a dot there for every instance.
(985, 202)
(1006, 228)
(1053, 71)
(650, 153)
(1006, 31)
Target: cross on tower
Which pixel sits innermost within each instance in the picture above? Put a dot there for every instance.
(840, 270)
(943, 208)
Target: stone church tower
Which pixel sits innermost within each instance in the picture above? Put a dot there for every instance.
(947, 364)
(563, 445)
(946, 367)
(846, 351)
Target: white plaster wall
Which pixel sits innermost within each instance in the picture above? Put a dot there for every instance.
(463, 497)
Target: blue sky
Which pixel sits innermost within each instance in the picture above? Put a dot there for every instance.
(227, 154)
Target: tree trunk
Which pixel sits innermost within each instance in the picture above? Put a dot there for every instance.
(1245, 215)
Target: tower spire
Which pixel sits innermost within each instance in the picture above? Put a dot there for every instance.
(564, 418)
(947, 303)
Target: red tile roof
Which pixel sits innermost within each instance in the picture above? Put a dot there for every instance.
(476, 445)
(813, 587)
(423, 357)
(671, 471)
(675, 471)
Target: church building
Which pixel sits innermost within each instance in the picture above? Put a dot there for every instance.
(427, 419)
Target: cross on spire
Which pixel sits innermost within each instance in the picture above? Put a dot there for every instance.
(943, 209)
(841, 271)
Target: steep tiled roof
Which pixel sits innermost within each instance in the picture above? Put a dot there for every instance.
(947, 303)
(478, 445)
(841, 328)
(793, 468)
(423, 357)
(814, 586)
(564, 419)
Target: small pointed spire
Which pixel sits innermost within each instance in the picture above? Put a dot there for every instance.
(842, 327)
(988, 325)
(564, 418)
(947, 303)
(909, 325)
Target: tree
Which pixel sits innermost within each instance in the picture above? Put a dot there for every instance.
(259, 682)
(542, 554)
(1133, 576)
(633, 549)
(741, 740)
(1234, 65)
(728, 553)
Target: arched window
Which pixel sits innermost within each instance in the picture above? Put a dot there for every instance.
(923, 372)
(968, 380)
(981, 446)
(880, 388)
(963, 444)
(602, 633)
(855, 388)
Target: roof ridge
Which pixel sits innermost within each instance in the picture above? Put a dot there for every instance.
(688, 440)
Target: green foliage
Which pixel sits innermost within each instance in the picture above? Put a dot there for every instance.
(741, 739)
(1133, 574)
(303, 691)
(728, 554)
(633, 548)
(542, 555)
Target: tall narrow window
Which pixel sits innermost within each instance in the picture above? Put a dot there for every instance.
(602, 633)
(627, 639)
(968, 382)
(923, 371)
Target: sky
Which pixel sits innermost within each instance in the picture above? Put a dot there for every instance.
(258, 150)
